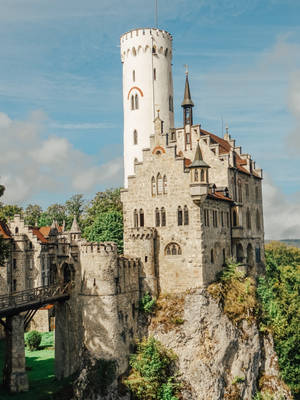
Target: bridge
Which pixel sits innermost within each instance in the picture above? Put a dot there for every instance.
(16, 311)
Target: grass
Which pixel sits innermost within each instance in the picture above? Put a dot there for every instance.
(42, 381)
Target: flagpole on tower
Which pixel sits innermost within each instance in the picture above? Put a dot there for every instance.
(156, 14)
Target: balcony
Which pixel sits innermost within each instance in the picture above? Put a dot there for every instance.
(198, 192)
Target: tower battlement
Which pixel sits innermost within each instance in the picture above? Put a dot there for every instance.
(103, 248)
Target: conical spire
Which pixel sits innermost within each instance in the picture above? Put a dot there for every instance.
(75, 227)
(187, 101)
(198, 160)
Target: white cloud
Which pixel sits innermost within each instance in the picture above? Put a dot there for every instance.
(281, 214)
(32, 163)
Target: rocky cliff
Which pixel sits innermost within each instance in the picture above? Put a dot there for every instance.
(216, 358)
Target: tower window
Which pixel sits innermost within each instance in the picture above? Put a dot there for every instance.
(133, 75)
(163, 217)
(196, 175)
(153, 186)
(157, 217)
(257, 221)
(159, 184)
(188, 138)
(206, 217)
(171, 108)
(142, 221)
(135, 137)
(179, 216)
(212, 256)
(165, 184)
(136, 100)
(248, 219)
(154, 74)
(154, 49)
(135, 218)
(234, 218)
(173, 249)
(186, 215)
(132, 102)
(16, 230)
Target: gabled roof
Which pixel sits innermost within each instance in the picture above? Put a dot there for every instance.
(39, 235)
(4, 230)
(198, 160)
(45, 230)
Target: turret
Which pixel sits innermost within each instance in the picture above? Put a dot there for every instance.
(187, 105)
(146, 56)
(199, 177)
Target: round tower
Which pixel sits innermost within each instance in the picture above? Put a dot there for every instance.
(146, 55)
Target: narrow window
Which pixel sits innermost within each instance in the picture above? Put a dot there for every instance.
(227, 219)
(154, 74)
(212, 256)
(196, 175)
(257, 254)
(257, 221)
(14, 263)
(16, 230)
(159, 184)
(163, 217)
(135, 137)
(248, 219)
(171, 103)
(188, 138)
(157, 217)
(165, 184)
(234, 218)
(256, 193)
(153, 186)
(14, 285)
(154, 49)
(136, 102)
(135, 218)
(224, 257)
(133, 75)
(186, 215)
(142, 217)
(206, 217)
(202, 175)
(222, 218)
(179, 215)
(247, 191)
(132, 102)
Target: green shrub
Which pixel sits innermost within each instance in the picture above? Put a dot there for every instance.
(33, 340)
(151, 376)
(147, 303)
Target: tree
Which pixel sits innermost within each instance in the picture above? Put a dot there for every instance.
(103, 202)
(106, 227)
(33, 213)
(279, 295)
(9, 211)
(74, 206)
(55, 212)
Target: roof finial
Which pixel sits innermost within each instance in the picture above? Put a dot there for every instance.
(186, 69)
(187, 101)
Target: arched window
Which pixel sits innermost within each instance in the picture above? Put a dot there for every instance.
(157, 217)
(179, 215)
(16, 230)
(135, 219)
(186, 215)
(135, 137)
(173, 249)
(133, 51)
(165, 184)
(166, 52)
(142, 217)
(159, 184)
(202, 175)
(212, 256)
(240, 191)
(248, 219)
(257, 221)
(153, 186)
(234, 218)
(154, 49)
(133, 75)
(132, 102)
(163, 217)
(196, 175)
(136, 98)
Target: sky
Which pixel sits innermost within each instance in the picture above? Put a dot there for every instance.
(61, 116)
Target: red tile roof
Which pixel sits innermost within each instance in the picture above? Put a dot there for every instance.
(219, 196)
(39, 235)
(4, 230)
(225, 149)
(45, 230)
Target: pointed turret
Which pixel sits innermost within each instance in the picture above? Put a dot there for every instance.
(187, 100)
(75, 227)
(198, 160)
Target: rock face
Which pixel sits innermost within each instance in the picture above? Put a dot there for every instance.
(218, 360)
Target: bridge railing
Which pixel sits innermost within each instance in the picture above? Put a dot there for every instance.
(34, 294)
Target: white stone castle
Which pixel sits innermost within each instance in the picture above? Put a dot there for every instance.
(191, 201)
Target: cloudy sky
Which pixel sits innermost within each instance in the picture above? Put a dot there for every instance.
(61, 91)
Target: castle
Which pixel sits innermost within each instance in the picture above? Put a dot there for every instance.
(191, 200)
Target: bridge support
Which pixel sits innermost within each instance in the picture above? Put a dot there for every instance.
(14, 373)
